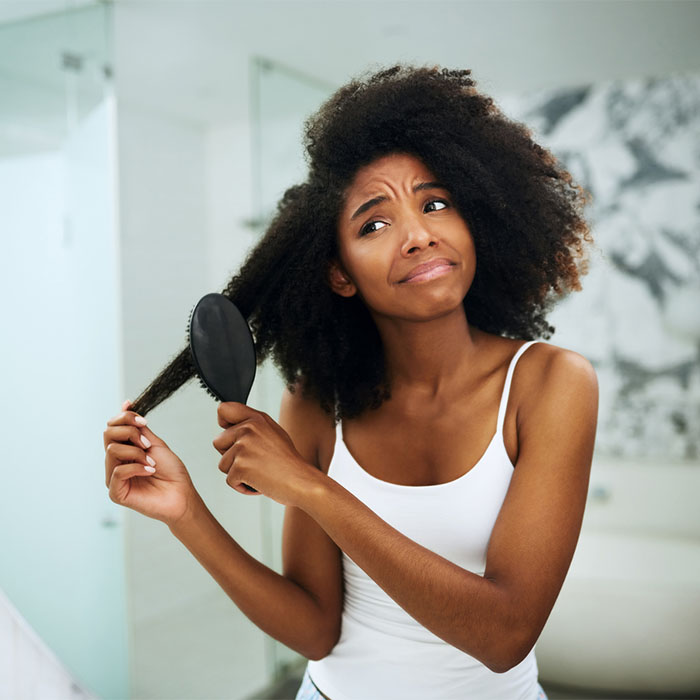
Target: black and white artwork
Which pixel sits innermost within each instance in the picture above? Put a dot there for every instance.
(635, 146)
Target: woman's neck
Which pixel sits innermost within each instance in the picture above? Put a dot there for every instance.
(427, 359)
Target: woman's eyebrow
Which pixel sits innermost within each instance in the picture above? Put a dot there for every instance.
(381, 198)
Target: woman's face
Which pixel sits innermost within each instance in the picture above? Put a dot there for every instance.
(395, 218)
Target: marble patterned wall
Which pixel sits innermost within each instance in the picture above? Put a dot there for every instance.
(635, 145)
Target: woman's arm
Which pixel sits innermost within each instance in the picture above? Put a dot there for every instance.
(302, 608)
(279, 606)
(496, 618)
(300, 611)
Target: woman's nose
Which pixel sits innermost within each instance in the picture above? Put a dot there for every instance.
(417, 237)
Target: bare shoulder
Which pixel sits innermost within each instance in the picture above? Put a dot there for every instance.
(309, 426)
(537, 361)
(550, 375)
(540, 357)
(543, 363)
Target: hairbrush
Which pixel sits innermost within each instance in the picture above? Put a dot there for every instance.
(222, 347)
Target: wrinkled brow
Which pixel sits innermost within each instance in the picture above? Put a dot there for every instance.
(381, 198)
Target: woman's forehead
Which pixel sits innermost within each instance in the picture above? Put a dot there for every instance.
(396, 168)
(391, 165)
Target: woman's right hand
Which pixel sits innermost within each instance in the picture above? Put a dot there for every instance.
(165, 494)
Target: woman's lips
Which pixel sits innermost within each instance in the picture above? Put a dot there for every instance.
(437, 270)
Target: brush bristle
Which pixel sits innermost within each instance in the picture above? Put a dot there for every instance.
(207, 389)
(199, 378)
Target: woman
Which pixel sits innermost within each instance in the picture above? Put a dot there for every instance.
(434, 495)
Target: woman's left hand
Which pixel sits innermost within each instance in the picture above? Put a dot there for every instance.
(258, 453)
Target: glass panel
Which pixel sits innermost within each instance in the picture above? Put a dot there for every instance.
(63, 566)
(52, 74)
(282, 99)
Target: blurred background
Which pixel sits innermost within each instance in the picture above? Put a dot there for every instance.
(143, 146)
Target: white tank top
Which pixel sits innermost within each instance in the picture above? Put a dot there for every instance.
(383, 653)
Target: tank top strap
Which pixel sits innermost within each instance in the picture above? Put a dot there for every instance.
(506, 386)
(504, 395)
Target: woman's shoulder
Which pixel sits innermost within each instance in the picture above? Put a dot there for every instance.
(550, 358)
(541, 356)
(541, 366)
(546, 378)
(546, 370)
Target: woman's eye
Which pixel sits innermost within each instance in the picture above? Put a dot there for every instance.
(438, 201)
(365, 229)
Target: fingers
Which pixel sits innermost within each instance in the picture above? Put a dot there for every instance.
(128, 471)
(138, 422)
(118, 453)
(128, 418)
(236, 429)
(226, 462)
(223, 441)
(152, 437)
(126, 440)
(119, 481)
(236, 418)
(234, 475)
(245, 489)
(125, 433)
(233, 478)
(232, 412)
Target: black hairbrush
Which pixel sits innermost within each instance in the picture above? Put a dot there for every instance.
(222, 347)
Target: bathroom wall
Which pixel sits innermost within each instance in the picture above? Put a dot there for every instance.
(188, 174)
(177, 611)
(635, 145)
(188, 206)
(188, 197)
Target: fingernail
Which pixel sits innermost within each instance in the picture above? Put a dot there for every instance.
(146, 442)
(150, 460)
(150, 470)
(140, 420)
(125, 405)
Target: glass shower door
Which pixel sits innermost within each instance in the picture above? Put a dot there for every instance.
(61, 542)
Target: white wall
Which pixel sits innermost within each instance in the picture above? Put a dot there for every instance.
(172, 193)
(16, 10)
(191, 58)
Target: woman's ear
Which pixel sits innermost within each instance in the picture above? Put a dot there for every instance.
(339, 280)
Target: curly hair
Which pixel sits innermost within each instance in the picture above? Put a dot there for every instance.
(522, 207)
